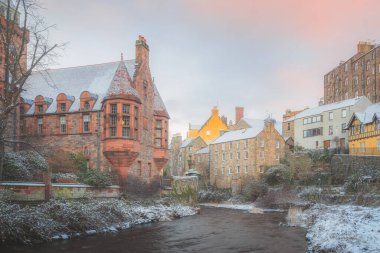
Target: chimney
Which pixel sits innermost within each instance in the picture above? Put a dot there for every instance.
(364, 47)
(214, 111)
(142, 50)
(239, 113)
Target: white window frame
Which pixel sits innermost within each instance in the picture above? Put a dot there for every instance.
(344, 113)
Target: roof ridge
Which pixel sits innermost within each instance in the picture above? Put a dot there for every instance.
(82, 66)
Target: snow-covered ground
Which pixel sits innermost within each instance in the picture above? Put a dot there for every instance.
(342, 228)
(62, 220)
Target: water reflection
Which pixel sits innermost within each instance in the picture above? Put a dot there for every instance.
(215, 230)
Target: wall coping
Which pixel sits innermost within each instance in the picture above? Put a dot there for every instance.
(41, 184)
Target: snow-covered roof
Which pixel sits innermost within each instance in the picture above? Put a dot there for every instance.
(158, 103)
(324, 108)
(204, 150)
(121, 83)
(74, 80)
(186, 142)
(242, 134)
(367, 116)
(259, 123)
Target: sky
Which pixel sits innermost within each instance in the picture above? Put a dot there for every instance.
(264, 55)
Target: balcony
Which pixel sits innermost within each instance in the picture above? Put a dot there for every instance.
(364, 135)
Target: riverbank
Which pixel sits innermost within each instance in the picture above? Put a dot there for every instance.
(66, 219)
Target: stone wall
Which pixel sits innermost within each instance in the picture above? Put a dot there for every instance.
(29, 191)
(343, 166)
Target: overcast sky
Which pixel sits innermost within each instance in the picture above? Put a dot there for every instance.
(266, 55)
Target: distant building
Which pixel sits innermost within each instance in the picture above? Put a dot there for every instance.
(288, 126)
(186, 157)
(202, 162)
(240, 155)
(325, 126)
(364, 131)
(211, 129)
(357, 76)
(174, 148)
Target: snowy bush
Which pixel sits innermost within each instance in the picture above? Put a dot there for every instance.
(60, 219)
(213, 195)
(279, 174)
(23, 165)
(64, 178)
(255, 189)
(95, 177)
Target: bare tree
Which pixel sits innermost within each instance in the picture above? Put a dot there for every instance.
(24, 48)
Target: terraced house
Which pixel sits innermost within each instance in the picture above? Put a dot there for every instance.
(364, 131)
(240, 155)
(110, 112)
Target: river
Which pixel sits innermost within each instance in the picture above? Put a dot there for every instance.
(214, 230)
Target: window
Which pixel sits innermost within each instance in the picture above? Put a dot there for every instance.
(113, 131)
(126, 121)
(362, 147)
(246, 170)
(331, 130)
(238, 169)
(344, 113)
(86, 123)
(136, 123)
(246, 144)
(113, 108)
(230, 146)
(216, 156)
(331, 115)
(277, 156)
(356, 66)
(63, 107)
(126, 109)
(62, 121)
(40, 125)
(86, 106)
(113, 120)
(126, 132)
(40, 108)
(262, 143)
(230, 156)
(344, 125)
(262, 154)
(361, 128)
(345, 67)
(237, 155)
(199, 158)
(288, 126)
(230, 170)
(208, 132)
(158, 130)
(277, 144)
(246, 155)
(368, 66)
(238, 145)
(312, 132)
(223, 156)
(368, 80)
(378, 144)
(312, 120)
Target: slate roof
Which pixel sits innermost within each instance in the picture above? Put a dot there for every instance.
(121, 83)
(367, 116)
(95, 79)
(259, 124)
(186, 142)
(324, 108)
(204, 150)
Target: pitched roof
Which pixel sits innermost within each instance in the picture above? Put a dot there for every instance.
(242, 134)
(204, 150)
(121, 83)
(259, 124)
(74, 80)
(324, 108)
(159, 105)
(186, 142)
(368, 115)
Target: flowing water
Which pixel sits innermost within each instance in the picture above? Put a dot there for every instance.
(214, 230)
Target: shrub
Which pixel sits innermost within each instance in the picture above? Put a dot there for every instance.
(64, 178)
(67, 162)
(255, 189)
(279, 174)
(96, 178)
(214, 195)
(23, 165)
(355, 183)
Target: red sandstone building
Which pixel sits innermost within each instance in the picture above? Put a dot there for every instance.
(110, 112)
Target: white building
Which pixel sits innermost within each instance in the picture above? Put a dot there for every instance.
(325, 126)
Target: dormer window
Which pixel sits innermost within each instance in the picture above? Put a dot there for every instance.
(40, 108)
(62, 107)
(86, 106)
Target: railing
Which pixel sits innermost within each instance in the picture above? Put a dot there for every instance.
(364, 135)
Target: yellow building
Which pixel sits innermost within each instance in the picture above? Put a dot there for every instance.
(364, 131)
(211, 129)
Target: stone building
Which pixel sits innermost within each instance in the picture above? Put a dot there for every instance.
(174, 148)
(288, 126)
(364, 131)
(211, 129)
(202, 162)
(240, 155)
(357, 76)
(325, 126)
(111, 112)
(187, 152)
